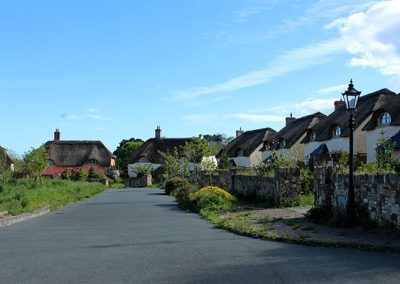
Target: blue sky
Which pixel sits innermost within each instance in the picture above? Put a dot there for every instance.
(112, 70)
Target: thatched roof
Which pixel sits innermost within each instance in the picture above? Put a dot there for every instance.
(396, 140)
(247, 142)
(376, 102)
(77, 153)
(149, 150)
(296, 128)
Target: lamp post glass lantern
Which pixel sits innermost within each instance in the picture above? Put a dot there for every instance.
(351, 99)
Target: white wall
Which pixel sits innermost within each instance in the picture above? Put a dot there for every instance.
(342, 143)
(256, 156)
(373, 137)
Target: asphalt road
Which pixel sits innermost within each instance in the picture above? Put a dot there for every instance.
(140, 236)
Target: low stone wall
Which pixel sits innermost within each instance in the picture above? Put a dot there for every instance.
(283, 189)
(377, 195)
(144, 181)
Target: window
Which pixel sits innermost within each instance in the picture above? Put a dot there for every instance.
(313, 136)
(239, 152)
(282, 144)
(336, 131)
(91, 162)
(384, 119)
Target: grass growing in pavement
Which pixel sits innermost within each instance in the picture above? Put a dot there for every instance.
(306, 200)
(26, 195)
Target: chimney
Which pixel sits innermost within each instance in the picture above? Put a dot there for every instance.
(239, 132)
(57, 135)
(338, 104)
(158, 132)
(289, 119)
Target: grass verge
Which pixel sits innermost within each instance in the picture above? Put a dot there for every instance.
(25, 195)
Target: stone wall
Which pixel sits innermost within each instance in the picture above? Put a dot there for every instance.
(377, 195)
(282, 189)
(144, 181)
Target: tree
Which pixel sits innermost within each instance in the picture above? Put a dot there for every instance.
(3, 158)
(224, 163)
(195, 150)
(384, 152)
(35, 161)
(125, 150)
(173, 166)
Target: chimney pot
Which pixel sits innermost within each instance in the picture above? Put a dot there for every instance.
(338, 104)
(57, 135)
(289, 119)
(239, 132)
(158, 132)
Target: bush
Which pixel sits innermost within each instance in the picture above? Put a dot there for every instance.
(95, 175)
(81, 175)
(212, 198)
(142, 170)
(307, 182)
(174, 184)
(183, 195)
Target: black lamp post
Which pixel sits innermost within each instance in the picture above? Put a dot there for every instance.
(351, 98)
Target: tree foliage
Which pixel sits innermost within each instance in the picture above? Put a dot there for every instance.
(35, 161)
(173, 165)
(196, 149)
(3, 158)
(124, 150)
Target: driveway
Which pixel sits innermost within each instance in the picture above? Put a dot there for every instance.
(140, 236)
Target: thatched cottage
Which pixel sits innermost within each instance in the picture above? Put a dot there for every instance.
(64, 154)
(149, 152)
(376, 113)
(245, 149)
(287, 141)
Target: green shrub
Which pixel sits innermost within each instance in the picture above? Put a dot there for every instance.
(374, 168)
(81, 175)
(142, 170)
(174, 184)
(307, 182)
(182, 195)
(95, 175)
(212, 198)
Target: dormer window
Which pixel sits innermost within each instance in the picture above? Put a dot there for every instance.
(384, 119)
(239, 152)
(282, 144)
(91, 162)
(313, 136)
(336, 131)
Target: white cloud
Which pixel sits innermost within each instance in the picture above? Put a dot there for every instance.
(373, 37)
(256, 7)
(313, 105)
(332, 89)
(69, 116)
(92, 110)
(294, 60)
(97, 116)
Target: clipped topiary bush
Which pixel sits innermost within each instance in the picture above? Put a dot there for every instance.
(212, 198)
(175, 184)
